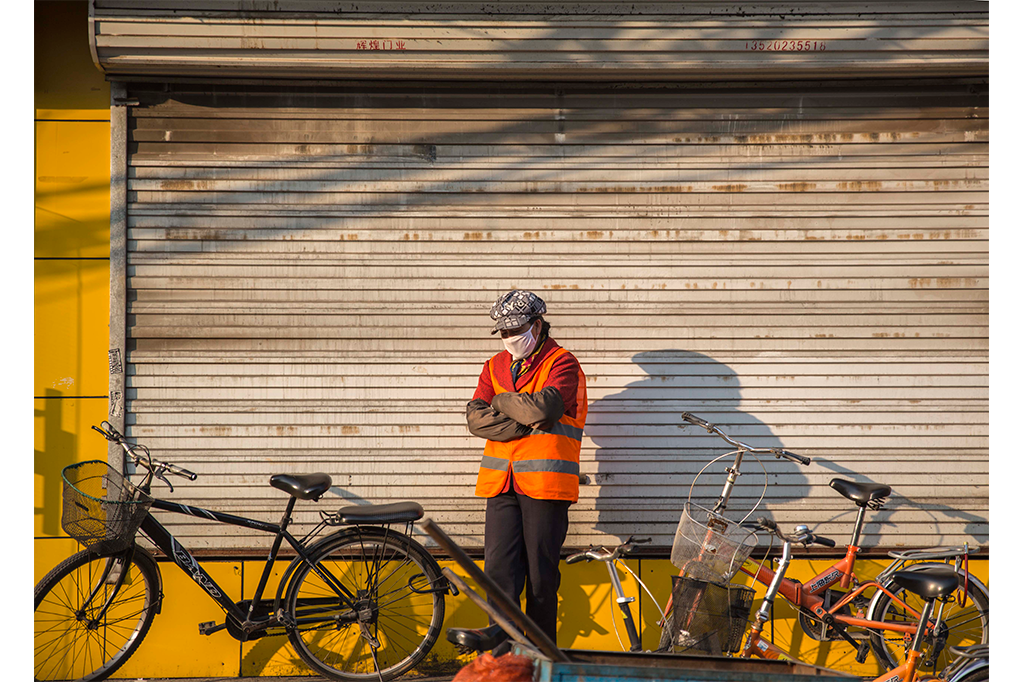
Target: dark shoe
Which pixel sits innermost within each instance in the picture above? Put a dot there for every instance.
(469, 641)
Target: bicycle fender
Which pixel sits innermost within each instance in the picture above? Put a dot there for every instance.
(315, 549)
(968, 669)
(146, 555)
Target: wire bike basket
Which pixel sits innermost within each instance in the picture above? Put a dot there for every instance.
(709, 546)
(708, 618)
(102, 509)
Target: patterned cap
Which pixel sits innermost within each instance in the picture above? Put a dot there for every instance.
(516, 308)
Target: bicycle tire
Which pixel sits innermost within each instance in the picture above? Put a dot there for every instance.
(967, 625)
(67, 645)
(383, 569)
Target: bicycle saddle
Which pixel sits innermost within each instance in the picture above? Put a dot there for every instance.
(861, 493)
(396, 512)
(304, 487)
(934, 582)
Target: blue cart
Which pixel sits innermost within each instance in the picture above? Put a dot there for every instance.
(605, 666)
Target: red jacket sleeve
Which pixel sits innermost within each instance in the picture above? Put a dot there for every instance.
(484, 388)
(566, 378)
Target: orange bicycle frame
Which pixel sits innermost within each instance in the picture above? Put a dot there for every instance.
(808, 595)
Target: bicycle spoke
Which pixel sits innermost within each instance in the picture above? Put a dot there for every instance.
(86, 627)
(395, 625)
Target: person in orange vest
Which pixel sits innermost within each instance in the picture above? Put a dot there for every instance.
(531, 406)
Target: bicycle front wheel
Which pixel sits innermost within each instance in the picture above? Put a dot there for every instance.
(962, 625)
(368, 601)
(91, 614)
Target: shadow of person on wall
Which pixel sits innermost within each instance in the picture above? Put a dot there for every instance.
(940, 515)
(647, 457)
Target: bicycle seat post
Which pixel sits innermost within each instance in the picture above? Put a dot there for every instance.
(922, 631)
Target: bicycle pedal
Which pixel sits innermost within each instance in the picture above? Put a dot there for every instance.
(862, 651)
(285, 619)
(210, 627)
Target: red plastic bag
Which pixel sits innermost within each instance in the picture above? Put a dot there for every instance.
(487, 668)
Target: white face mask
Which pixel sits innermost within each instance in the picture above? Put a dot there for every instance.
(521, 346)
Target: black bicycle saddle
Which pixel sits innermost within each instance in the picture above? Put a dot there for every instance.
(861, 493)
(304, 487)
(934, 582)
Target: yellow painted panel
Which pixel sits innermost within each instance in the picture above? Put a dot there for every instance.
(657, 575)
(62, 437)
(459, 612)
(588, 617)
(71, 328)
(585, 619)
(49, 552)
(72, 189)
(269, 655)
(174, 647)
(67, 83)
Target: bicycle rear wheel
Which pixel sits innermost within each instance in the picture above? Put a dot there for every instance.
(392, 618)
(88, 621)
(963, 626)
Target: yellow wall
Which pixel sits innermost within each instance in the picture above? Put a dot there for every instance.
(72, 175)
(72, 215)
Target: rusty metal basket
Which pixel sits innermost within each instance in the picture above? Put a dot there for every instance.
(709, 546)
(708, 618)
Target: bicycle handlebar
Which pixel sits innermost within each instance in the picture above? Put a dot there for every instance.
(802, 536)
(697, 421)
(791, 456)
(177, 470)
(157, 467)
(779, 453)
(605, 554)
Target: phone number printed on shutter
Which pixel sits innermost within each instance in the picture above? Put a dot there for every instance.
(785, 45)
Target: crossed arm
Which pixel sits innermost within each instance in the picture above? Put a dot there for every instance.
(513, 415)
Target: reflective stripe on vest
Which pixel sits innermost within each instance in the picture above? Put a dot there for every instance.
(546, 464)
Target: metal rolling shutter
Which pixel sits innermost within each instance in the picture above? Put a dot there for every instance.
(310, 270)
(598, 40)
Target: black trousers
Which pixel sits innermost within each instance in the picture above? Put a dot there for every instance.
(522, 541)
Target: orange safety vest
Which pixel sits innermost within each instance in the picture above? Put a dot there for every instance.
(545, 464)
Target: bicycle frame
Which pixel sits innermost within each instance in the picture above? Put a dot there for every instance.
(808, 595)
(757, 647)
(184, 559)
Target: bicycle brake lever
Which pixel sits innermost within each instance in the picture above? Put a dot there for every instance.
(164, 479)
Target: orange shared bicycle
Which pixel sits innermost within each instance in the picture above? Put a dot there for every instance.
(882, 616)
(935, 584)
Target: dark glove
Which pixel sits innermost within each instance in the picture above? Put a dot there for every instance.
(540, 410)
(486, 422)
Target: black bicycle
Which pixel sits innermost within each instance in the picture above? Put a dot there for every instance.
(365, 602)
